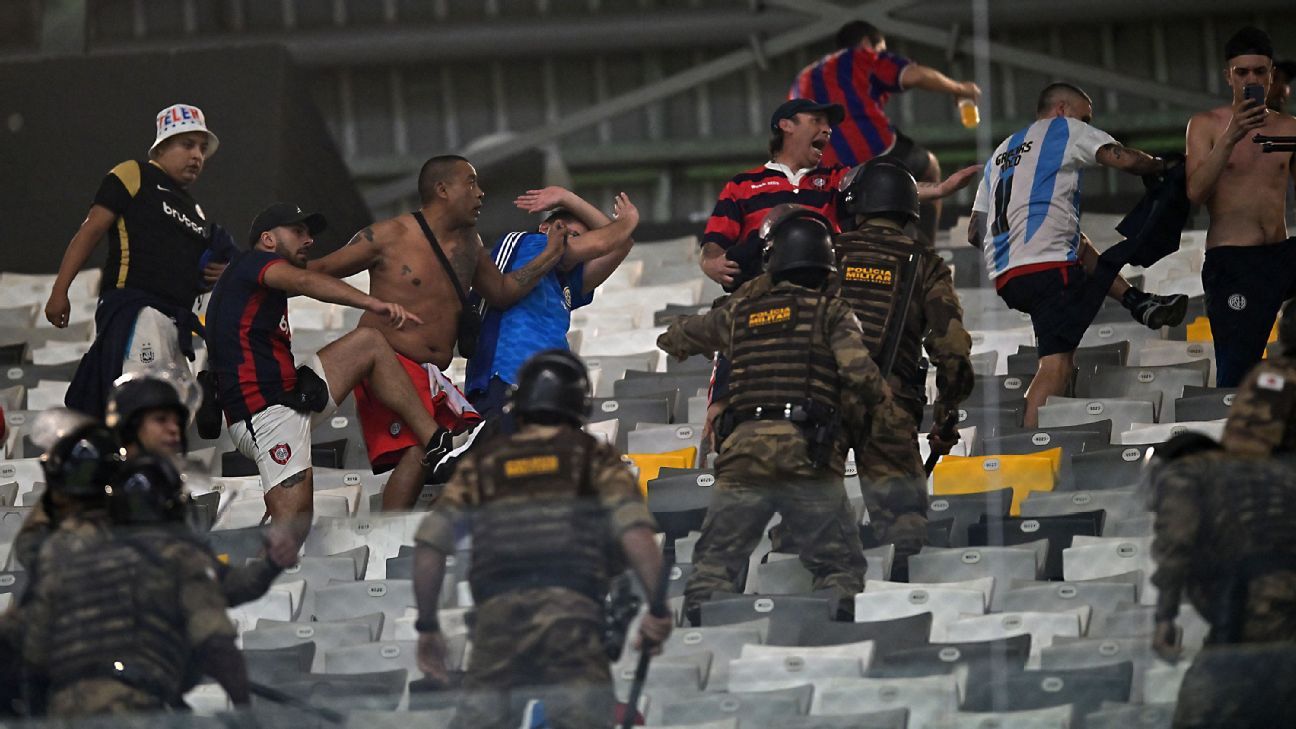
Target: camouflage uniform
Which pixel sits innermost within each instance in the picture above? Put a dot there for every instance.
(544, 549)
(764, 466)
(145, 599)
(1222, 522)
(1262, 419)
(890, 467)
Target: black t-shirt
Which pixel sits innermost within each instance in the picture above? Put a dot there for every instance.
(159, 236)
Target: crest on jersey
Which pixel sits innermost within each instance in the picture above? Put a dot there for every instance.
(1237, 302)
(394, 428)
(819, 182)
(280, 454)
(146, 354)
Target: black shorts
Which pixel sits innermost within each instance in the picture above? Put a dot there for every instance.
(1055, 300)
(1245, 287)
(909, 153)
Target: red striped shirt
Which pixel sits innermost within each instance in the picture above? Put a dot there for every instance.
(861, 80)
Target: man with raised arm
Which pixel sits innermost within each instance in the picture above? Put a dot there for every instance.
(269, 401)
(1250, 266)
(427, 261)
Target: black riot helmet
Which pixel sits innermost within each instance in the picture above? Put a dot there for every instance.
(797, 239)
(133, 396)
(82, 463)
(1287, 329)
(879, 187)
(553, 386)
(147, 490)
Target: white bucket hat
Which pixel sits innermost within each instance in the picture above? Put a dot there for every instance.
(181, 118)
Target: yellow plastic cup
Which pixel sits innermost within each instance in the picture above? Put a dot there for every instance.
(968, 113)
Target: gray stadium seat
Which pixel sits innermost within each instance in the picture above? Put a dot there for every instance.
(1057, 530)
(8, 493)
(427, 719)
(1026, 360)
(989, 420)
(1203, 407)
(387, 656)
(13, 583)
(1122, 412)
(1114, 501)
(944, 604)
(966, 510)
(1137, 382)
(373, 622)
(984, 363)
(325, 636)
(342, 600)
(344, 425)
(1095, 652)
(630, 412)
(998, 388)
(682, 675)
(887, 635)
(347, 692)
(927, 698)
(1084, 688)
(663, 438)
(774, 672)
(1090, 559)
(1109, 468)
(724, 643)
(743, 608)
(1118, 716)
(697, 363)
(1193, 391)
(1008, 654)
(893, 719)
(953, 565)
(29, 375)
(1103, 595)
(614, 366)
(1057, 717)
(269, 664)
(320, 572)
(760, 709)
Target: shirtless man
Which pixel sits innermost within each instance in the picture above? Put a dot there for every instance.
(1250, 266)
(404, 269)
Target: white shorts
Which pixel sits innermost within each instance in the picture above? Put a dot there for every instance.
(154, 343)
(280, 437)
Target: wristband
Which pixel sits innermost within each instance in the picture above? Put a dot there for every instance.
(427, 624)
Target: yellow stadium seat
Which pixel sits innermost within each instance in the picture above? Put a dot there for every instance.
(974, 475)
(1200, 331)
(650, 464)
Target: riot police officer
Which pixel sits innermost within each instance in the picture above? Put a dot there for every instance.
(553, 514)
(903, 294)
(1262, 419)
(802, 385)
(150, 410)
(119, 628)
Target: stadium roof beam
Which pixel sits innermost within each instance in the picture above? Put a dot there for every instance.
(493, 151)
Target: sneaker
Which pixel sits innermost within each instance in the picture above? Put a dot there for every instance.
(443, 466)
(1158, 311)
(437, 448)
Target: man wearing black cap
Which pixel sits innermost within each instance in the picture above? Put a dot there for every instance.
(1250, 266)
(270, 402)
(801, 130)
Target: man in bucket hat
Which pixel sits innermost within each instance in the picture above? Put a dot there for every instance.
(162, 252)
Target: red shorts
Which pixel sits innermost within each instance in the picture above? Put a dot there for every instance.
(386, 436)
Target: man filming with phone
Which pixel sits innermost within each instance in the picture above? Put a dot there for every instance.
(1250, 266)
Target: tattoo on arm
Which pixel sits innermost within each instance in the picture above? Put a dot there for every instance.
(366, 234)
(527, 274)
(293, 480)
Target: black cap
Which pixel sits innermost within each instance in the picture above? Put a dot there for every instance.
(789, 109)
(282, 213)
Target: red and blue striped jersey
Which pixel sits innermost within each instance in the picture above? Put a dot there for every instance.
(249, 341)
(735, 223)
(861, 80)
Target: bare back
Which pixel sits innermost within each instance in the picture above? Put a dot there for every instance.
(1248, 204)
(408, 273)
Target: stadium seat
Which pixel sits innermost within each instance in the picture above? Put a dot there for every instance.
(771, 672)
(383, 534)
(665, 438)
(613, 367)
(276, 604)
(1161, 352)
(1138, 382)
(892, 719)
(679, 498)
(630, 412)
(649, 464)
(1008, 654)
(1123, 716)
(955, 565)
(1089, 559)
(1023, 474)
(1026, 360)
(696, 363)
(1152, 434)
(1095, 652)
(265, 664)
(984, 586)
(887, 635)
(1058, 530)
(424, 719)
(967, 509)
(320, 572)
(346, 692)
(1057, 717)
(744, 608)
(724, 643)
(998, 388)
(1110, 468)
(625, 342)
(927, 698)
(944, 604)
(342, 600)
(766, 708)
(1101, 595)
(8, 493)
(1085, 689)
(605, 430)
(344, 425)
(325, 636)
(1114, 501)
(1042, 627)
(386, 656)
(984, 364)
(1121, 412)
(989, 420)
(677, 675)
(1203, 407)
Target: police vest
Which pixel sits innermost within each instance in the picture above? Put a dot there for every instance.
(117, 615)
(1262, 496)
(877, 270)
(539, 522)
(781, 356)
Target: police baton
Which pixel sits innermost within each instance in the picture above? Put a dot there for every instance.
(279, 697)
(949, 434)
(657, 608)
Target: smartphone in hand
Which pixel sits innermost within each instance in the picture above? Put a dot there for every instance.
(1254, 93)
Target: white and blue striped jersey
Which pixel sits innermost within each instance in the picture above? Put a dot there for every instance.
(1030, 193)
